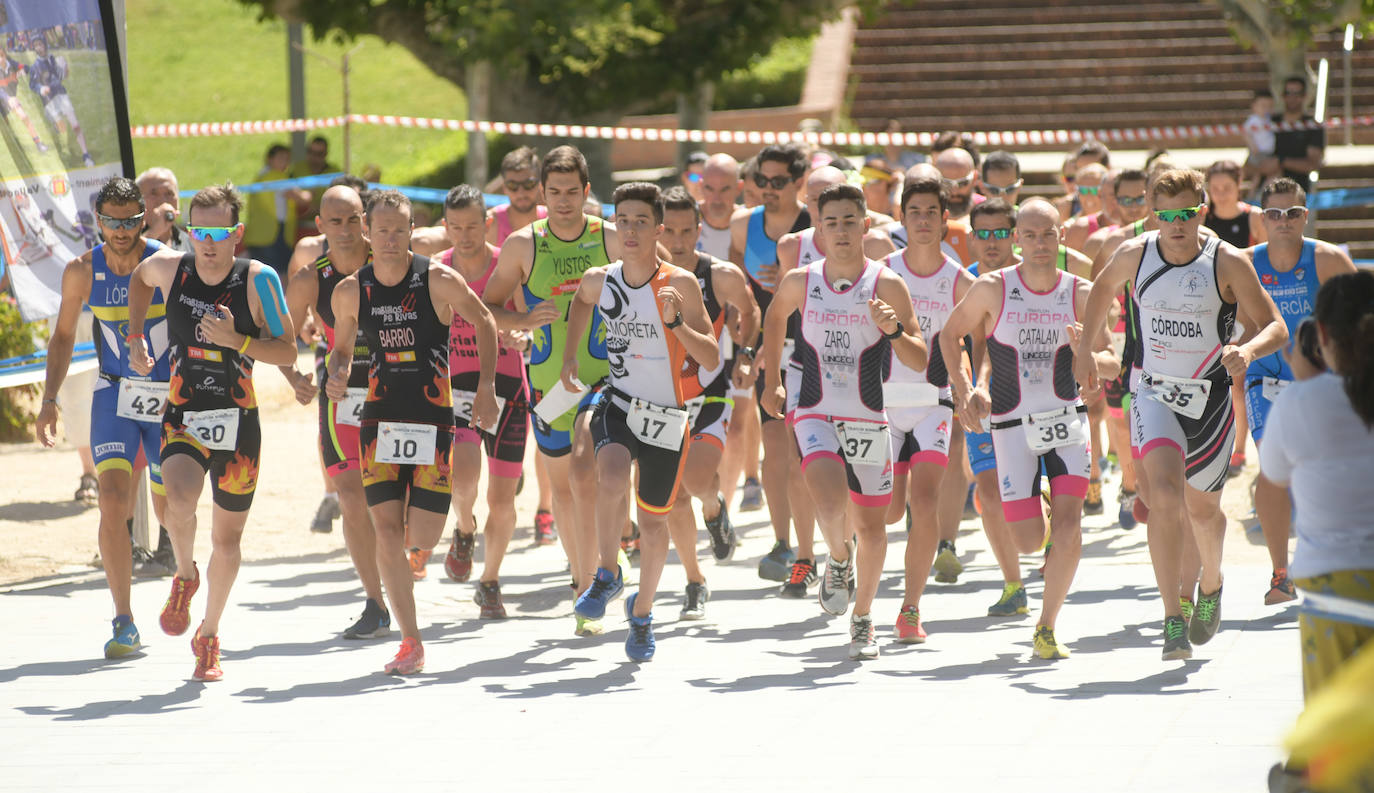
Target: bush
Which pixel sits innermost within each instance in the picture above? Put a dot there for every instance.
(16, 404)
(774, 79)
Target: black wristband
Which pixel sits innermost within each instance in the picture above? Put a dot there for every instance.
(749, 351)
(894, 334)
(677, 320)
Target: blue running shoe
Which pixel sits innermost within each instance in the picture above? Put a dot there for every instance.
(639, 645)
(1126, 515)
(125, 641)
(606, 586)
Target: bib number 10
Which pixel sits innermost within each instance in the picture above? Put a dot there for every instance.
(400, 443)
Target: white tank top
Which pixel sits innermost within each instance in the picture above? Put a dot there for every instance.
(843, 355)
(1032, 364)
(932, 300)
(645, 357)
(714, 241)
(807, 252)
(1183, 320)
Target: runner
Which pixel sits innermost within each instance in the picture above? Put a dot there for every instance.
(1037, 417)
(9, 96)
(1187, 291)
(854, 311)
(955, 243)
(223, 314)
(655, 320)
(403, 305)
(520, 182)
(1291, 269)
(957, 166)
(474, 259)
(1093, 214)
(47, 77)
(919, 409)
(1001, 177)
(545, 262)
(125, 409)
(317, 266)
(706, 391)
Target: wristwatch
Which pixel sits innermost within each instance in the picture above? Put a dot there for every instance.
(677, 320)
(894, 334)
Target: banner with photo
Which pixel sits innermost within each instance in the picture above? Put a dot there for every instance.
(62, 140)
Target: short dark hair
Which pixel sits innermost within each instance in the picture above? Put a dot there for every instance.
(1133, 175)
(464, 196)
(565, 159)
(647, 192)
(320, 139)
(388, 198)
(1227, 168)
(796, 165)
(1296, 78)
(277, 148)
(1095, 149)
(748, 168)
(520, 159)
(218, 195)
(1001, 161)
(993, 206)
(119, 190)
(956, 140)
(1285, 186)
(842, 191)
(1263, 93)
(678, 199)
(926, 185)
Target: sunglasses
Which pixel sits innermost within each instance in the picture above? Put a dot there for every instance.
(1292, 213)
(693, 177)
(994, 190)
(211, 233)
(1173, 215)
(1130, 201)
(121, 224)
(963, 181)
(528, 184)
(777, 182)
(996, 234)
(1086, 190)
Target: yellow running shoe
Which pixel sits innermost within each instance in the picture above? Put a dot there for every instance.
(1045, 645)
(588, 627)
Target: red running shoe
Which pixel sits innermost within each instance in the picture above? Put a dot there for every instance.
(543, 528)
(458, 561)
(176, 612)
(418, 560)
(409, 660)
(206, 649)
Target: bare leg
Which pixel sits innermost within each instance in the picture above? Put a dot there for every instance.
(500, 525)
(359, 536)
(115, 550)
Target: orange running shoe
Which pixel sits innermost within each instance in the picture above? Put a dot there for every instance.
(908, 628)
(206, 649)
(176, 612)
(418, 560)
(409, 660)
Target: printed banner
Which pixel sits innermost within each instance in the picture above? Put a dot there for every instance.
(58, 121)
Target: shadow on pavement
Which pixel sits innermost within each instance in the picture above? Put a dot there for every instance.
(61, 668)
(1168, 682)
(24, 511)
(1007, 665)
(148, 705)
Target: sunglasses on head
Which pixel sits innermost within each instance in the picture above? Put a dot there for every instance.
(1292, 213)
(1173, 215)
(1089, 190)
(528, 184)
(777, 182)
(994, 190)
(996, 234)
(211, 233)
(1130, 201)
(121, 224)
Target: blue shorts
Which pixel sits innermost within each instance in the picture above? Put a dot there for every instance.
(980, 456)
(1257, 404)
(558, 442)
(115, 441)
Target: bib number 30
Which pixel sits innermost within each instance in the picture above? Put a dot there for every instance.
(214, 429)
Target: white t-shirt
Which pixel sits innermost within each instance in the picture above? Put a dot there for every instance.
(1260, 137)
(1314, 442)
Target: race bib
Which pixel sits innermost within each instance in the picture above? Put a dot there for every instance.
(1184, 396)
(1271, 387)
(141, 400)
(215, 429)
(693, 408)
(350, 410)
(1053, 429)
(864, 442)
(910, 395)
(462, 407)
(659, 426)
(406, 444)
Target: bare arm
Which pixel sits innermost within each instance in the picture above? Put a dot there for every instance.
(1332, 261)
(151, 274)
(788, 298)
(878, 243)
(969, 318)
(1238, 278)
(681, 299)
(1120, 269)
(733, 290)
(267, 301)
(302, 290)
(909, 347)
(345, 305)
(512, 268)
(579, 314)
(76, 288)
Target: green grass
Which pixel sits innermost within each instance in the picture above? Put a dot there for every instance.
(94, 110)
(211, 60)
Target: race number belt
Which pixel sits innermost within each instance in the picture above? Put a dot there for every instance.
(864, 442)
(141, 400)
(1053, 429)
(1183, 395)
(214, 429)
(462, 407)
(406, 444)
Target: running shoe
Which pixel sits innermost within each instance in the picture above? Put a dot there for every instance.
(587, 626)
(42, 147)
(1126, 514)
(1012, 602)
(606, 586)
(125, 641)
(325, 515)
(1236, 466)
(1185, 605)
(751, 496)
(1206, 619)
(409, 660)
(1176, 646)
(418, 560)
(543, 528)
(164, 555)
(176, 612)
(837, 585)
(87, 159)
(1280, 588)
(863, 639)
(908, 627)
(777, 565)
(1045, 645)
(639, 644)
(694, 605)
(947, 565)
(458, 560)
(1092, 503)
(373, 624)
(488, 597)
(88, 490)
(803, 575)
(722, 533)
(206, 649)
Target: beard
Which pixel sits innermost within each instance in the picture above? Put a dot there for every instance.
(960, 205)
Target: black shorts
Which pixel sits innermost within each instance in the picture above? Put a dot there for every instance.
(429, 486)
(505, 447)
(660, 470)
(234, 472)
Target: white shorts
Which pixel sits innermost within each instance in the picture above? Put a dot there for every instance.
(870, 484)
(919, 435)
(1019, 468)
(59, 108)
(712, 421)
(1205, 443)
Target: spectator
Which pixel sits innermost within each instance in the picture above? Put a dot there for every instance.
(316, 162)
(879, 182)
(272, 215)
(897, 155)
(1259, 138)
(160, 193)
(691, 174)
(1299, 152)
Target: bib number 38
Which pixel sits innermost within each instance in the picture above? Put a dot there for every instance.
(1054, 429)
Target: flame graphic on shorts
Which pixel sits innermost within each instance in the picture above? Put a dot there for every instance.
(375, 473)
(240, 475)
(433, 477)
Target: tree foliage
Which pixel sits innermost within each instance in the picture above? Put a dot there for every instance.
(1282, 29)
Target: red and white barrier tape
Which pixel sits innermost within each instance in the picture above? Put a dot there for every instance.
(756, 138)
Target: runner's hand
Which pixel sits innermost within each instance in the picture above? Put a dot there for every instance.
(670, 303)
(1236, 360)
(304, 385)
(46, 424)
(517, 340)
(139, 360)
(1085, 372)
(745, 373)
(883, 316)
(569, 376)
(218, 328)
(973, 409)
(542, 314)
(768, 275)
(773, 401)
(336, 383)
(485, 414)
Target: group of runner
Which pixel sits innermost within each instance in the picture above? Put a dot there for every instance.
(870, 357)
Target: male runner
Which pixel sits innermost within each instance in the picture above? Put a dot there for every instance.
(520, 182)
(319, 263)
(1093, 214)
(1291, 269)
(854, 313)
(544, 262)
(403, 304)
(9, 96)
(720, 189)
(474, 258)
(1187, 291)
(126, 410)
(47, 75)
(223, 314)
(706, 392)
(1001, 177)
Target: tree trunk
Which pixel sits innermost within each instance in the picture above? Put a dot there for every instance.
(1254, 24)
(693, 112)
(479, 109)
(516, 98)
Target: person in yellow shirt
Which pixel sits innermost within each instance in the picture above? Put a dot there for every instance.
(271, 225)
